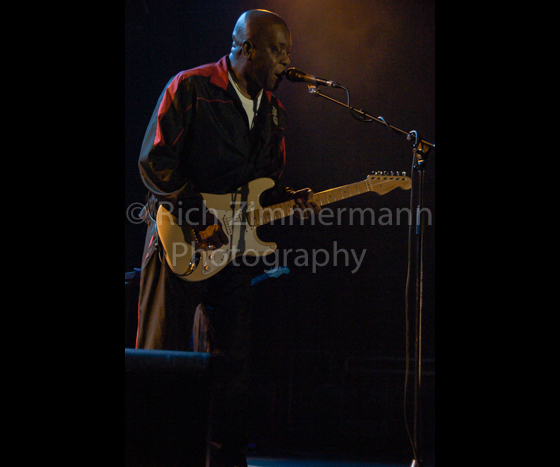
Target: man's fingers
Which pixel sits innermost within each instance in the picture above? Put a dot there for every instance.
(223, 237)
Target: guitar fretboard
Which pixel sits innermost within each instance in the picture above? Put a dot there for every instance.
(280, 211)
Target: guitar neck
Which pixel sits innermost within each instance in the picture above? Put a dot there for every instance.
(283, 210)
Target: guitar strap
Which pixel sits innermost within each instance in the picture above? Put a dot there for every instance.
(239, 203)
(275, 111)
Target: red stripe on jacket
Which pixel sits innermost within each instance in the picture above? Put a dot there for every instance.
(218, 72)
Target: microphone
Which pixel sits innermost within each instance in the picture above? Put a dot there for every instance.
(296, 76)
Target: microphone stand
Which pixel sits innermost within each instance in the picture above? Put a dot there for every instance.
(421, 149)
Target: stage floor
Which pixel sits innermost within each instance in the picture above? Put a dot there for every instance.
(308, 462)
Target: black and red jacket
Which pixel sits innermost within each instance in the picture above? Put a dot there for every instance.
(199, 140)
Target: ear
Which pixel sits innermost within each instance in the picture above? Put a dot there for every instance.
(248, 49)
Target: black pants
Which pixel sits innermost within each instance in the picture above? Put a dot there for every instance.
(167, 310)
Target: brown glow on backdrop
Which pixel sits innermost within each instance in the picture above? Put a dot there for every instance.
(384, 52)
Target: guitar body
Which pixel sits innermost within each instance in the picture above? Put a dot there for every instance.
(192, 260)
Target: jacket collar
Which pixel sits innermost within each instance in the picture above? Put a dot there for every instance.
(220, 76)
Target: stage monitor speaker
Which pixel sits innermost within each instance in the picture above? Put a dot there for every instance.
(167, 397)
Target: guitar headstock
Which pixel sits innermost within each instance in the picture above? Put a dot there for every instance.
(385, 182)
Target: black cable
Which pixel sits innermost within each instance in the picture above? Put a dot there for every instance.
(407, 307)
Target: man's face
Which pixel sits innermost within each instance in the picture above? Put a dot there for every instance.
(271, 58)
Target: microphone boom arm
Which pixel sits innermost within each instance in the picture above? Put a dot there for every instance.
(422, 145)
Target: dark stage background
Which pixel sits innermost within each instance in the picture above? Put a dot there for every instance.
(330, 344)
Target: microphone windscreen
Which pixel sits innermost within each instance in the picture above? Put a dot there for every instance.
(294, 75)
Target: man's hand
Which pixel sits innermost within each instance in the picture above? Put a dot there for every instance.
(211, 233)
(306, 204)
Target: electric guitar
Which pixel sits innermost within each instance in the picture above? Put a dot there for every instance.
(241, 214)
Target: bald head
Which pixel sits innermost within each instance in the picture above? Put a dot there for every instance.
(262, 44)
(255, 26)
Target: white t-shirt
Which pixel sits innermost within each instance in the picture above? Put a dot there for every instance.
(250, 106)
